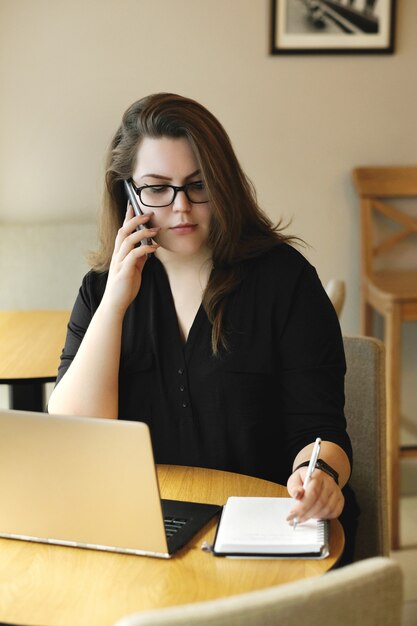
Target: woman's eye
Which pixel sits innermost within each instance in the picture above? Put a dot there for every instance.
(156, 188)
(198, 185)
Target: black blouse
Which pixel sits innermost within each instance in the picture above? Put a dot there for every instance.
(251, 409)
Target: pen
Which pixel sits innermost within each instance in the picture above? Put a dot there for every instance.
(311, 467)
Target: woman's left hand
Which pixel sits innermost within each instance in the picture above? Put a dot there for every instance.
(322, 497)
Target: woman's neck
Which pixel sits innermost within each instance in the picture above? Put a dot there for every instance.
(188, 277)
(186, 267)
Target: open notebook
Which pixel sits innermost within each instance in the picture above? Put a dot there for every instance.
(257, 527)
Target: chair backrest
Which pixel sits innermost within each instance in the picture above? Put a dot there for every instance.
(369, 593)
(375, 185)
(336, 290)
(366, 424)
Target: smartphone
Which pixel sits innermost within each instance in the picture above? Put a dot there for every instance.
(137, 210)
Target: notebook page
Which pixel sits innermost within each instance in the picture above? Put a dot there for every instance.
(259, 526)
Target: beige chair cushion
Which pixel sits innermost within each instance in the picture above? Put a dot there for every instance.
(366, 423)
(362, 594)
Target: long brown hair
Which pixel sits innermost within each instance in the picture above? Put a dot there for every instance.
(239, 229)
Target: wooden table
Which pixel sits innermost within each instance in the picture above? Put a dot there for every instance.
(57, 586)
(30, 346)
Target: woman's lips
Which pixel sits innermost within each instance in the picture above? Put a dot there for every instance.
(184, 229)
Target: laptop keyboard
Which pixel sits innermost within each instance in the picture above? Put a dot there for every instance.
(183, 520)
(173, 525)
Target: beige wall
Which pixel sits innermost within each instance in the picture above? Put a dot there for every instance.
(68, 69)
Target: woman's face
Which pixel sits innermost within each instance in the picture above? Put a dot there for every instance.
(184, 225)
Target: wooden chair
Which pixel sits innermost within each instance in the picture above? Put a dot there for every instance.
(390, 291)
(368, 593)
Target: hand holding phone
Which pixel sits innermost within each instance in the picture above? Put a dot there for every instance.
(137, 210)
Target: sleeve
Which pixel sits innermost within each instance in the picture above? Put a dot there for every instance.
(88, 299)
(312, 364)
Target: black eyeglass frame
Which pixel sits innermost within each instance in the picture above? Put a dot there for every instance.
(176, 190)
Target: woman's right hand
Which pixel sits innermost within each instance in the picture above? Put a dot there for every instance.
(125, 272)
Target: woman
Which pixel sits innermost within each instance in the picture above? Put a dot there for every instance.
(215, 331)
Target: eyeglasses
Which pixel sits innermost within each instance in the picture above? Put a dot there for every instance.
(156, 196)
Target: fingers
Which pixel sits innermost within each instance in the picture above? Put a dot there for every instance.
(129, 231)
(328, 505)
(127, 253)
(128, 259)
(135, 238)
(322, 499)
(295, 483)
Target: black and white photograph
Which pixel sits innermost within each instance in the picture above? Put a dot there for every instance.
(332, 26)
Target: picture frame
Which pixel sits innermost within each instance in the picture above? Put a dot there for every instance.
(332, 26)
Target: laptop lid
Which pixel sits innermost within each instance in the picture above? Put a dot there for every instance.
(81, 482)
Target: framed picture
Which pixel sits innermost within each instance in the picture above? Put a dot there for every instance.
(332, 26)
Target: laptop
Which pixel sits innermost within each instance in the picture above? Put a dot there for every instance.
(88, 483)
